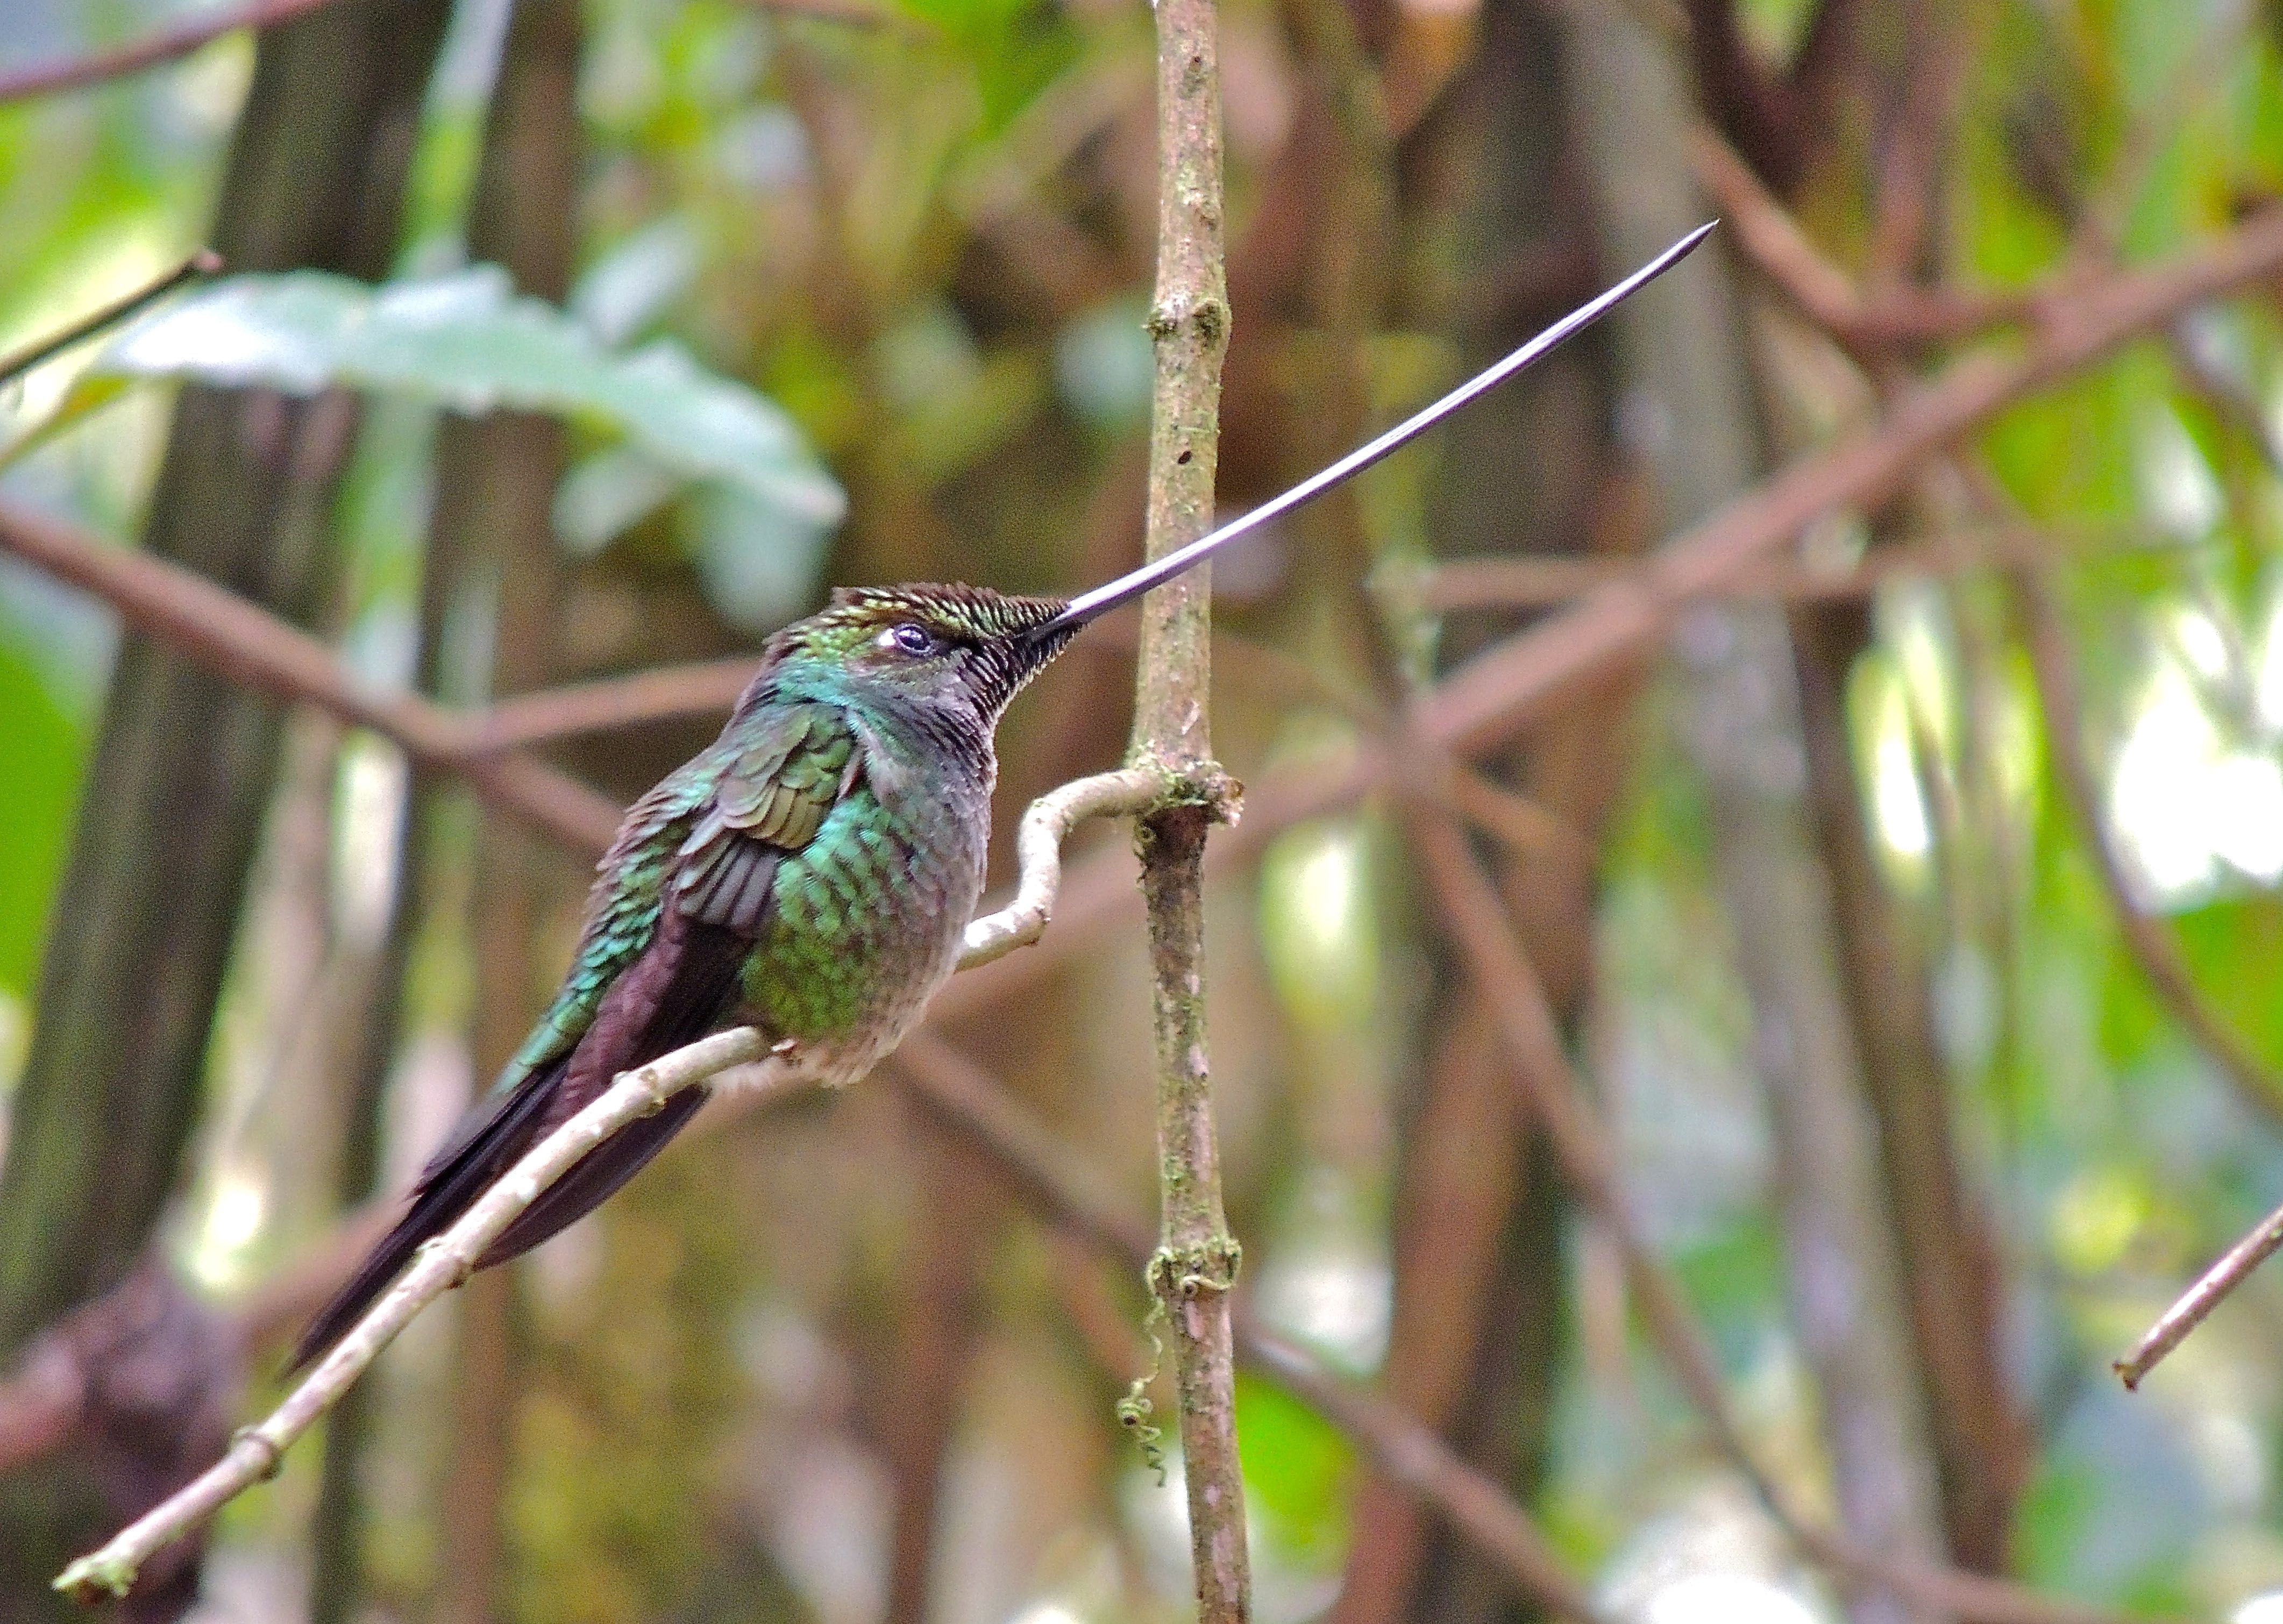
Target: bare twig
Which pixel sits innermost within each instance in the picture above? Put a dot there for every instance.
(1194, 1265)
(1827, 295)
(1525, 1022)
(440, 1265)
(2153, 949)
(2154, 953)
(243, 642)
(965, 1101)
(669, 693)
(167, 45)
(1535, 583)
(1039, 851)
(2196, 1303)
(204, 263)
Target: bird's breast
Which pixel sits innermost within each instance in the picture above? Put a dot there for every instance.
(866, 921)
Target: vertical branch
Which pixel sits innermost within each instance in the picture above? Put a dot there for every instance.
(1195, 1262)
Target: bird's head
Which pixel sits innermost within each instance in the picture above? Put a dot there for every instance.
(931, 645)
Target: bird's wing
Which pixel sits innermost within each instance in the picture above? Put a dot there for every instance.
(684, 893)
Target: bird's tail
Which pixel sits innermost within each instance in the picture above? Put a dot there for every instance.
(493, 1138)
(672, 995)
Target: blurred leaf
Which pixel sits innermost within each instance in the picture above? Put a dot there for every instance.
(631, 284)
(1298, 1470)
(467, 342)
(607, 494)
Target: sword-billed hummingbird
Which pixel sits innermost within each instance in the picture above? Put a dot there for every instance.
(811, 872)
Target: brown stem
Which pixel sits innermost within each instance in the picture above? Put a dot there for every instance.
(963, 1101)
(1194, 1265)
(702, 688)
(1867, 326)
(202, 264)
(1533, 583)
(2151, 944)
(1950, 1275)
(1510, 985)
(165, 45)
(241, 641)
(2195, 1304)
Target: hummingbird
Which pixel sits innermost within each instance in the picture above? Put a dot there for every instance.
(811, 872)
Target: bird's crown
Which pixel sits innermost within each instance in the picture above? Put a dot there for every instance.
(926, 640)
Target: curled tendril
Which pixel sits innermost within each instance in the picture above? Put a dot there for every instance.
(1187, 1273)
(1134, 1410)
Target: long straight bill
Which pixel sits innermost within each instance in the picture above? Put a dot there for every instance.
(1088, 606)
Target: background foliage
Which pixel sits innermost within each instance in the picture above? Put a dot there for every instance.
(820, 1365)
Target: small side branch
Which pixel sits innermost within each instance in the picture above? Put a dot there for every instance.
(1038, 853)
(440, 1265)
(205, 262)
(1774, 243)
(2197, 1303)
(167, 45)
(2151, 945)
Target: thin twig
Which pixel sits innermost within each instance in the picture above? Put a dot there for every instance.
(2153, 950)
(2197, 1303)
(1827, 296)
(247, 643)
(1517, 1003)
(669, 693)
(205, 262)
(1536, 583)
(968, 1103)
(167, 45)
(1039, 853)
(440, 1265)
(1194, 1267)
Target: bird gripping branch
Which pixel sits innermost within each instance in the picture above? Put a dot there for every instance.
(810, 873)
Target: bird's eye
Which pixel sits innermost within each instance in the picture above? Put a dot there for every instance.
(910, 640)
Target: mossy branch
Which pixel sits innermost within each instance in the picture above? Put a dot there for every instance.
(1188, 329)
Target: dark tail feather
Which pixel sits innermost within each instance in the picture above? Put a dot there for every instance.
(670, 997)
(489, 1140)
(594, 1177)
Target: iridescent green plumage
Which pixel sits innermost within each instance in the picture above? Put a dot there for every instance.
(810, 873)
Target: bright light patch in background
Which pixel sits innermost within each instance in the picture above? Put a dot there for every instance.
(2177, 490)
(1898, 805)
(2185, 803)
(1047, 1613)
(2201, 642)
(1901, 808)
(368, 809)
(233, 1219)
(1334, 1298)
(2266, 1608)
(1317, 928)
(1726, 1598)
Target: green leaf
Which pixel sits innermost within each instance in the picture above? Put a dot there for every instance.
(467, 342)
